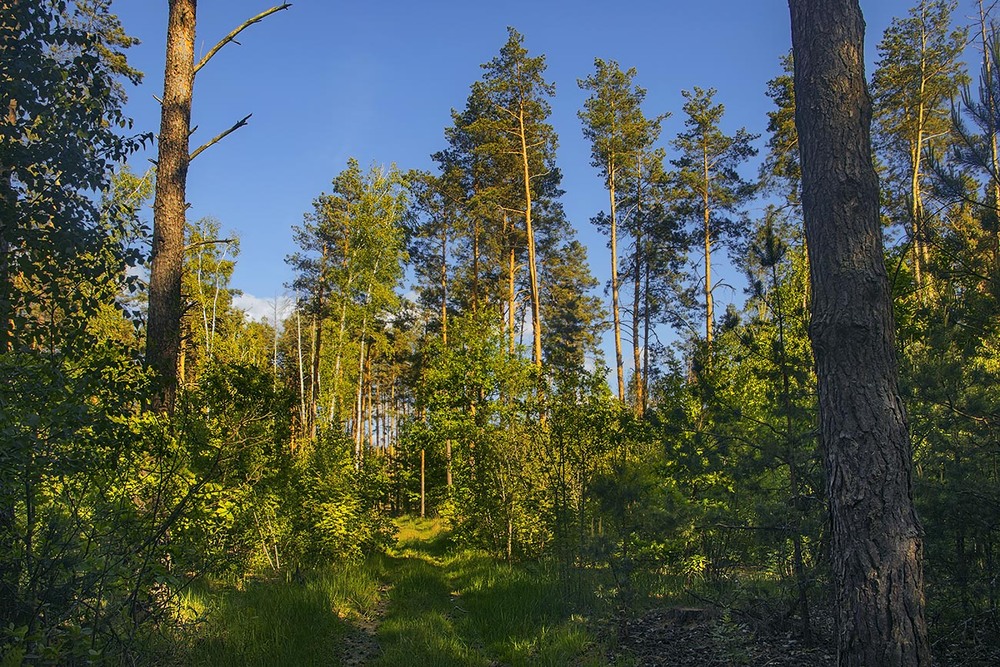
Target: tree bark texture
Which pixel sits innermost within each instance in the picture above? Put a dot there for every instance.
(877, 547)
(170, 205)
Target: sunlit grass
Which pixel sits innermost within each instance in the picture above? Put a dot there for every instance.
(445, 607)
(451, 607)
(279, 623)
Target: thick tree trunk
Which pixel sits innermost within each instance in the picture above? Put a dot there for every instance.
(169, 204)
(877, 547)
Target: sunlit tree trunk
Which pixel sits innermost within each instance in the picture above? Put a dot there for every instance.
(170, 204)
(640, 261)
(615, 308)
(536, 319)
(707, 215)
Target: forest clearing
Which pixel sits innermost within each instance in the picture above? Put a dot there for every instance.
(734, 400)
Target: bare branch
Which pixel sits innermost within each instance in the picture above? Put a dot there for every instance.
(199, 244)
(231, 37)
(219, 137)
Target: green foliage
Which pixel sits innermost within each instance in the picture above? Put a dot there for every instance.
(296, 456)
(59, 141)
(707, 174)
(209, 317)
(780, 170)
(483, 398)
(917, 76)
(351, 250)
(334, 507)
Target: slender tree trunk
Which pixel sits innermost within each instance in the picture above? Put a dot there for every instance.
(475, 265)
(302, 379)
(444, 285)
(707, 211)
(645, 337)
(182, 359)
(170, 205)
(615, 308)
(536, 319)
(991, 131)
(317, 346)
(444, 327)
(916, 197)
(274, 367)
(338, 360)
(511, 293)
(358, 429)
(377, 411)
(423, 496)
(877, 546)
(640, 259)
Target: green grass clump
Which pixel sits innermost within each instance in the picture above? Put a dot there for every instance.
(279, 623)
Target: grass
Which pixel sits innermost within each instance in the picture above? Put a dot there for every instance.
(279, 623)
(445, 606)
(462, 607)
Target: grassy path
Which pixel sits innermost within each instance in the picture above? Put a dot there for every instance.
(463, 608)
(426, 603)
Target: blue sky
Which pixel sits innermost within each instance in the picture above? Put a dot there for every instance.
(377, 81)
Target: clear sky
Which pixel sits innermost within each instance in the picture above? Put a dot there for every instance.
(377, 81)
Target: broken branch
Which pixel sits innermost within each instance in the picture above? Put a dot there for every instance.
(231, 37)
(219, 137)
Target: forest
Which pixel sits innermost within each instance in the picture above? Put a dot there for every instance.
(428, 459)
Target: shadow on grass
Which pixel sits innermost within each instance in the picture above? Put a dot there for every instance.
(466, 608)
(420, 626)
(522, 615)
(279, 623)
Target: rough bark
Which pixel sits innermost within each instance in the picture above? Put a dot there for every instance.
(877, 546)
(169, 204)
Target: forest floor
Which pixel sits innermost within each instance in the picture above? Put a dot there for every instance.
(457, 607)
(431, 603)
